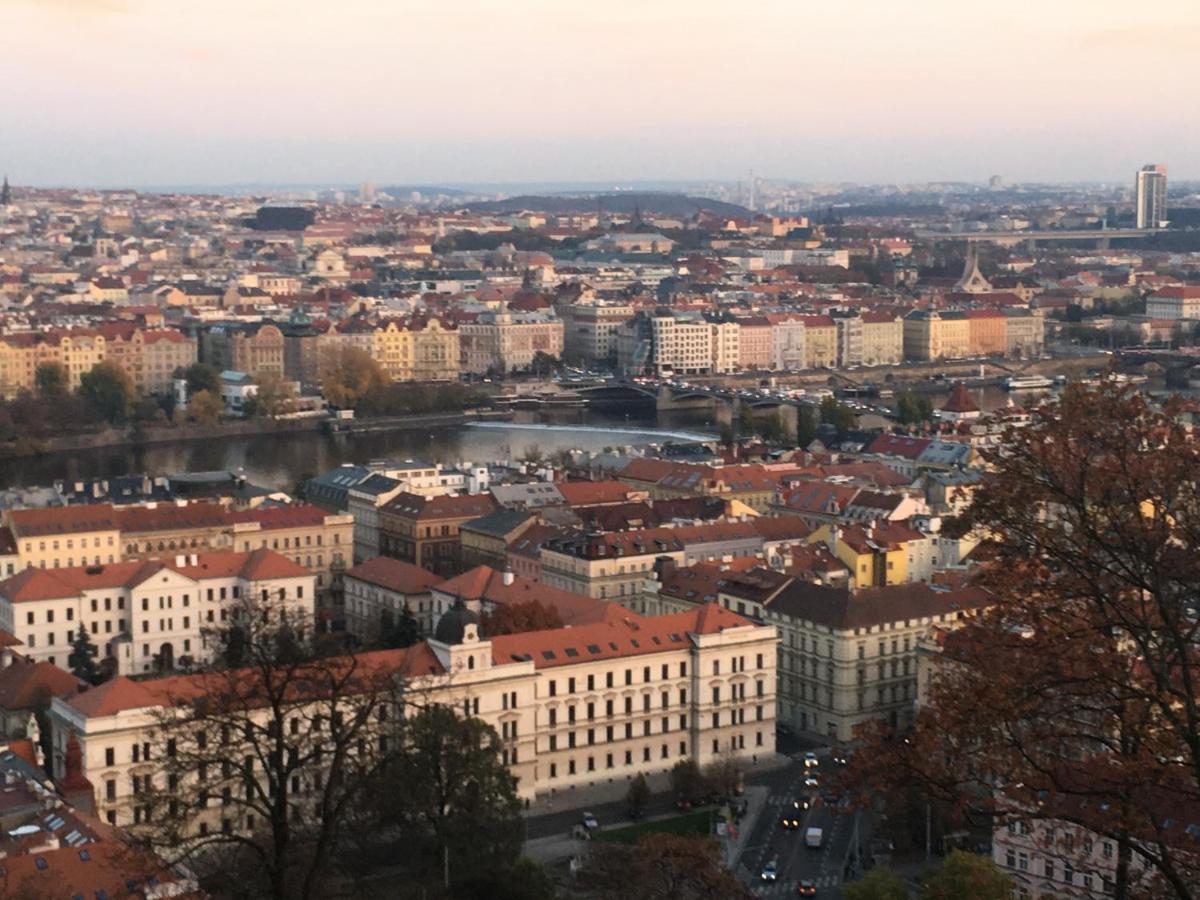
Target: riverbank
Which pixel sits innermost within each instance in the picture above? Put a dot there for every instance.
(142, 435)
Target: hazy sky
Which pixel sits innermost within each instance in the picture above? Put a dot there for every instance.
(143, 92)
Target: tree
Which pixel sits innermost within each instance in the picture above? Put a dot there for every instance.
(349, 375)
(201, 377)
(1073, 699)
(841, 417)
(727, 436)
(967, 876)
(723, 775)
(878, 884)
(687, 783)
(205, 408)
(399, 631)
(451, 801)
(533, 456)
(746, 424)
(913, 410)
(638, 794)
(108, 390)
(276, 395)
(544, 363)
(50, 379)
(525, 615)
(288, 746)
(773, 429)
(806, 425)
(83, 657)
(661, 866)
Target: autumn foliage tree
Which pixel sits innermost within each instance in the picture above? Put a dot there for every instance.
(514, 618)
(349, 374)
(661, 867)
(1076, 698)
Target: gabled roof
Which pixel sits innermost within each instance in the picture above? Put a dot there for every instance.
(628, 637)
(24, 684)
(394, 575)
(34, 584)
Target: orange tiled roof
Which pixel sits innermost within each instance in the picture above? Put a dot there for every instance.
(614, 640)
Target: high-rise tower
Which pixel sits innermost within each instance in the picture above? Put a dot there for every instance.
(1151, 196)
(5, 193)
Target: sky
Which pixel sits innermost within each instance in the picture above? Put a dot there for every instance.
(151, 92)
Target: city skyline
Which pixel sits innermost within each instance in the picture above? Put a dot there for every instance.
(149, 94)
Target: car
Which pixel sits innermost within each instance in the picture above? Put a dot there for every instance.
(839, 757)
(771, 870)
(683, 804)
(635, 814)
(811, 781)
(810, 760)
(806, 888)
(801, 803)
(589, 821)
(790, 822)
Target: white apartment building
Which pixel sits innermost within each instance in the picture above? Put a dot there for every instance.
(849, 657)
(726, 347)
(145, 615)
(1174, 302)
(590, 331)
(681, 346)
(574, 707)
(788, 352)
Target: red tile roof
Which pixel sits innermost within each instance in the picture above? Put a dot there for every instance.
(121, 693)
(24, 684)
(485, 584)
(594, 493)
(394, 575)
(34, 584)
(614, 640)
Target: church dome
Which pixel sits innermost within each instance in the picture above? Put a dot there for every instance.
(453, 624)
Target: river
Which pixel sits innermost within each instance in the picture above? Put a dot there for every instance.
(279, 461)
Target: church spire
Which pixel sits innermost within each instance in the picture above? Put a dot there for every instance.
(5, 193)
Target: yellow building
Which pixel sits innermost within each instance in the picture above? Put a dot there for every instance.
(875, 555)
(820, 342)
(930, 334)
(77, 351)
(882, 339)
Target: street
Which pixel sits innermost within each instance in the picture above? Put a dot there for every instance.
(795, 861)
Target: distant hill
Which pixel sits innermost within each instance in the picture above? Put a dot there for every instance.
(666, 204)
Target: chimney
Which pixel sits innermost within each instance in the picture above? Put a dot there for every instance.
(835, 535)
(181, 561)
(6, 657)
(508, 577)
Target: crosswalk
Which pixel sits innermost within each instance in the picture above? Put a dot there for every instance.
(788, 888)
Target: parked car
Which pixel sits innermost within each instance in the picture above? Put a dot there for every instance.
(589, 821)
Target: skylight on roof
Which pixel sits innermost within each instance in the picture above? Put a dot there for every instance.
(593, 648)
(548, 654)
(676, 639)
(634, 642)
(571, 651)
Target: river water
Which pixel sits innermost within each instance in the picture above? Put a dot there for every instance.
(279, 461)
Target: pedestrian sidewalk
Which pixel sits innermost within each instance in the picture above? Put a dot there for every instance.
(583, 797)
(756, 798)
